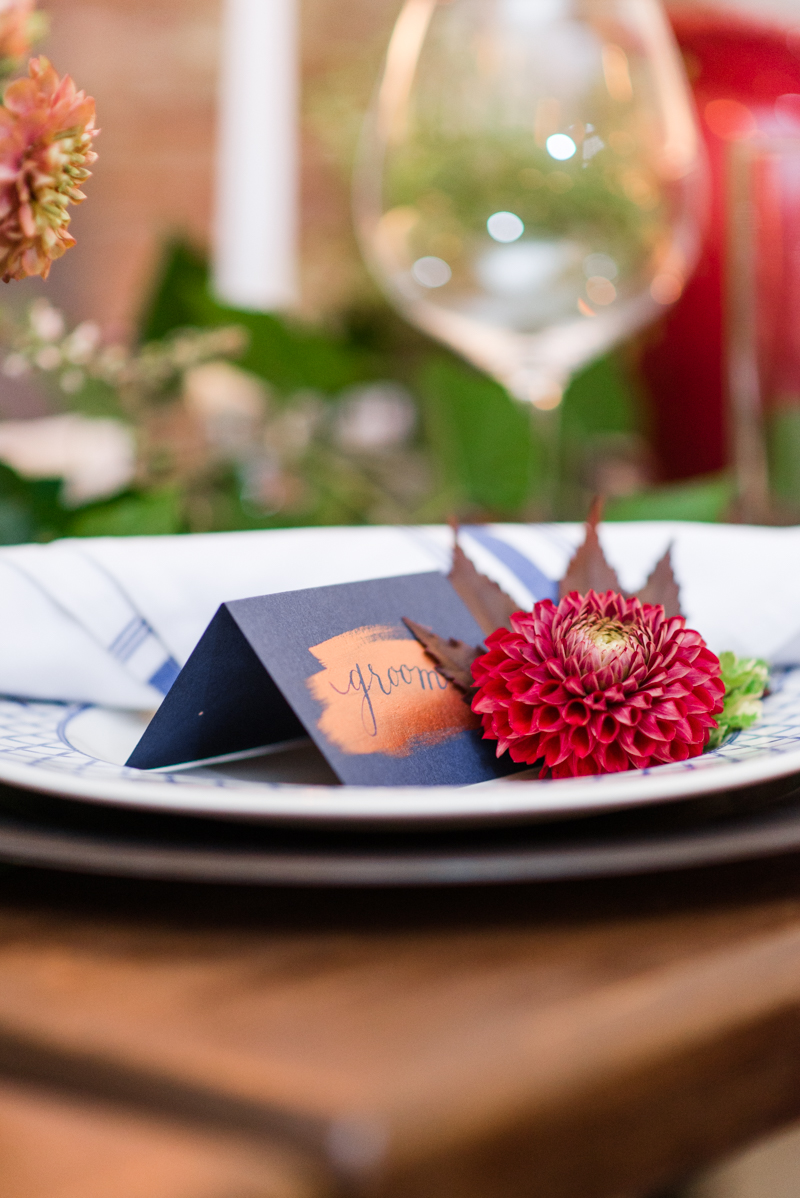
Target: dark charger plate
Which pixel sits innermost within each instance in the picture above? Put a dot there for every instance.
(63, 834)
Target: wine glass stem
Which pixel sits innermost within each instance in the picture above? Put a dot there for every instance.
(546, 436)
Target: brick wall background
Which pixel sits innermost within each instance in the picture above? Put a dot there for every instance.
(152, 67)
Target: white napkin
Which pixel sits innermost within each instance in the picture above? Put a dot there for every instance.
(111, 620)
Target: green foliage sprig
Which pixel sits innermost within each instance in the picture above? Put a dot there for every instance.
(745, 681)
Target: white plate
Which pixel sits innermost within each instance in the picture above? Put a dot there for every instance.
(77, 752)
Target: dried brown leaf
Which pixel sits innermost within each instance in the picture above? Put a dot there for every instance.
(488, 603)
(589, 570)
(453, 658)
(662, 587)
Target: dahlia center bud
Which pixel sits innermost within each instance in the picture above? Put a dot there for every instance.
(598, 684)
(603, 634)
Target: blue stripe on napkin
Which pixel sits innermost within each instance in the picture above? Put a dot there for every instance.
(125, 644)
(165, 675)
(528, 573)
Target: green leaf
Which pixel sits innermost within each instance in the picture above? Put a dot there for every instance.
(150, 514)
(30, 509)
(703, 499)
(600, 399)
(481, 437)
(783, 451)
(285, 353)
(16, 523)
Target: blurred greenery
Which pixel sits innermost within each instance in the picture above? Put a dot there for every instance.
(601, 400)
(285, 353)
(483, 443)
(783, 451)
(451, 181)
(705, 499)
(484, 452)
(475, 453)
(30, 509)
(132, 514)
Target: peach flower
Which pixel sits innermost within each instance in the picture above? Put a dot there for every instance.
(20, 27)
(46, 133)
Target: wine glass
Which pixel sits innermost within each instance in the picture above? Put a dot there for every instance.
(531, 183)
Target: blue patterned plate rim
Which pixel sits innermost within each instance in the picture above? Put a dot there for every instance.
(40, 752)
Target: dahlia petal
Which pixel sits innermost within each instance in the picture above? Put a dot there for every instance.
(522, 627)
(586, 766)
(549, 718)
(525, 751)
(695, 704)
(499, 720)
(614, 758)
(650, 726)
(629, 716)
(484, 704)
(692, 729)
(576, 713)
(553, 692)
(705, 720)
(605, 728)
(645, 746)
(709, 660)
(496, 688)
(705, 696)
(503, 743)
(675, 689)
(497, 638)
(520, 717)
(556, 749)
(669, 709)
(538, 672)
(580, 741)
(484, 666)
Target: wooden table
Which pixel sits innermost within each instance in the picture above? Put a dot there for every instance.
(561, 1041)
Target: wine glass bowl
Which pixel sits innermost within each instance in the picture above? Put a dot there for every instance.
(530, 183)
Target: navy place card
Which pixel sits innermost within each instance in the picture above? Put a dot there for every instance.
(335, 663)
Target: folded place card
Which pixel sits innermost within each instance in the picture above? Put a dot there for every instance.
(335, 663)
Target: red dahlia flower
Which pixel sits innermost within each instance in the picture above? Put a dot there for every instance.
(596, 685)
(46, 132)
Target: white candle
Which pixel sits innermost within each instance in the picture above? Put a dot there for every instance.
(255, 234)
